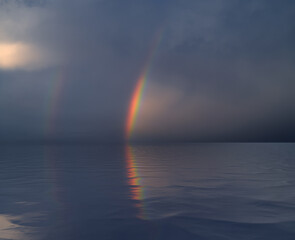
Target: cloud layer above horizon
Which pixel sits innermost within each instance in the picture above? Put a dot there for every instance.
(224, 70)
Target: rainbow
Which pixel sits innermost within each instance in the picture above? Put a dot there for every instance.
(53, 100)
(138, 91)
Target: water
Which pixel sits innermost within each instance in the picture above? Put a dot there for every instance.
(185, 191)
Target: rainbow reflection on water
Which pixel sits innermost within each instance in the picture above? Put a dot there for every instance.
(135, 182)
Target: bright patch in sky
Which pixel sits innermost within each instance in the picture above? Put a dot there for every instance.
(19, 56)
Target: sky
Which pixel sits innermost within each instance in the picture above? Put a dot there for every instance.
(215, 70)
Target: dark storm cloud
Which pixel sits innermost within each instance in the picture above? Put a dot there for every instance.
(223, 70)
(243, 63)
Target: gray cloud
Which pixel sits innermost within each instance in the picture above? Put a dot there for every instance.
(23, 42)
(223, 71)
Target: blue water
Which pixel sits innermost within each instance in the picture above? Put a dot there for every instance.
(142, 192)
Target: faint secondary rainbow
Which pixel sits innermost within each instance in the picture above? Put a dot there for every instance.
(137, 95)
(53, 100)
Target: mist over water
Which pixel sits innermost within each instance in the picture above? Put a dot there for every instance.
(181, 191)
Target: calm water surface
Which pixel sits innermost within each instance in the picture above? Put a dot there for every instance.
(186, 192)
